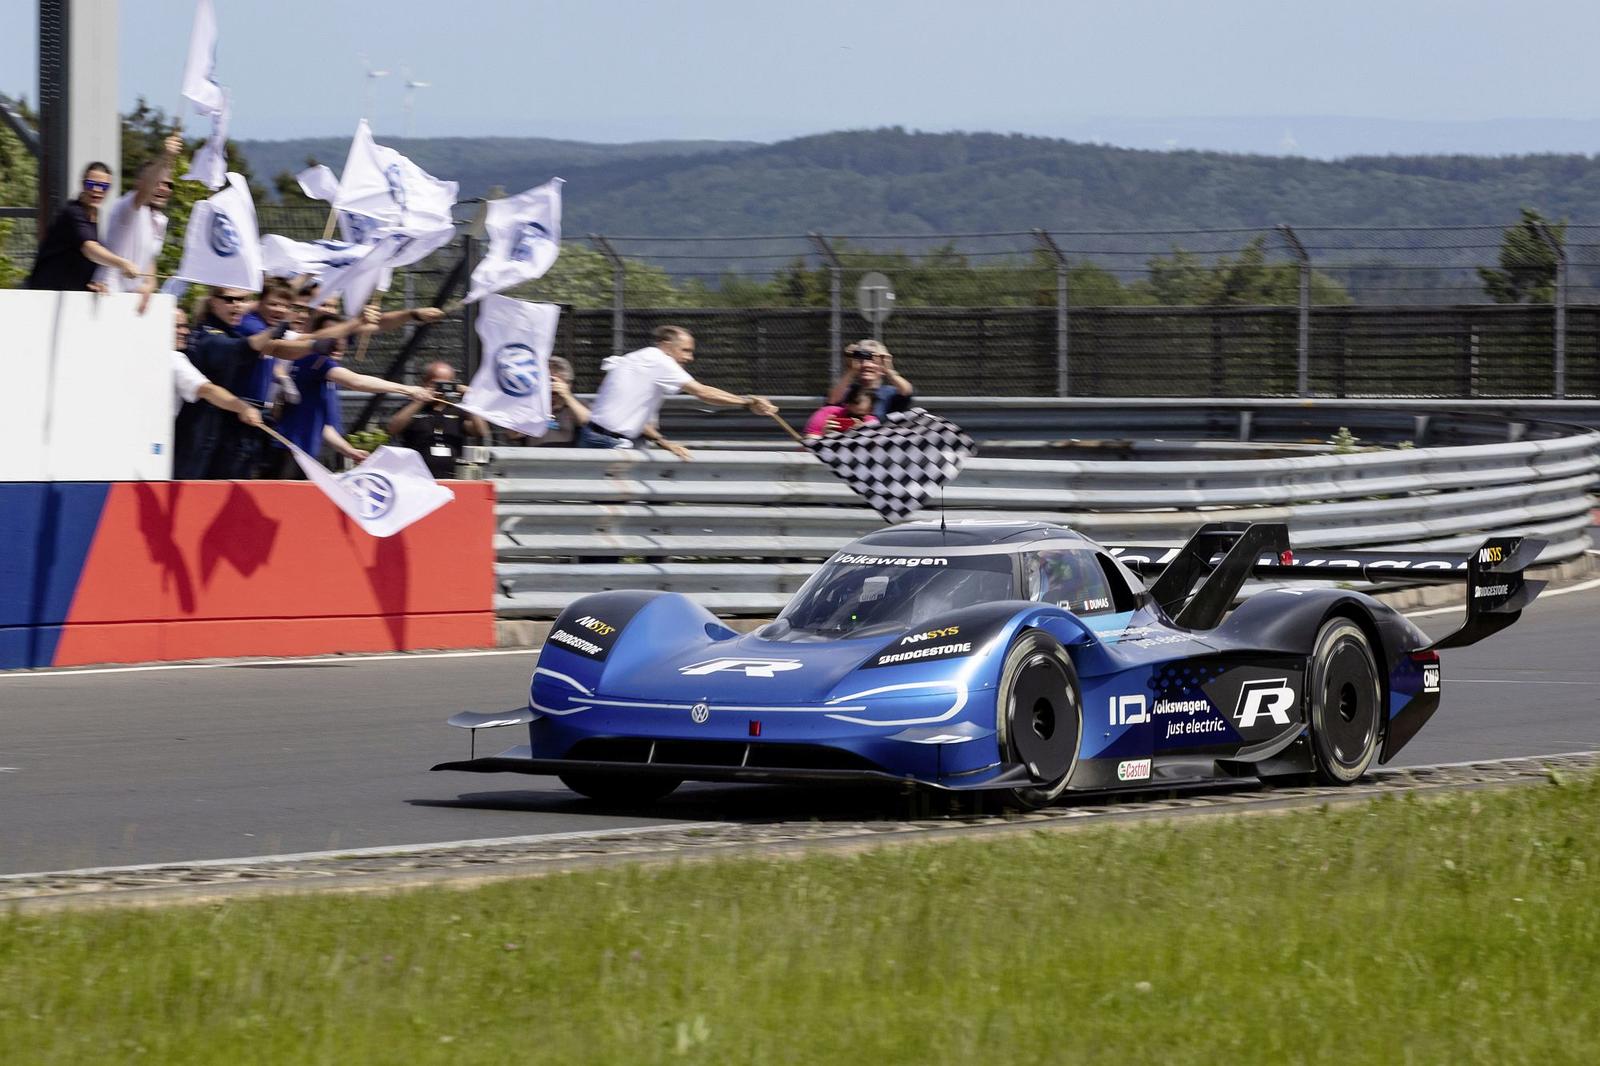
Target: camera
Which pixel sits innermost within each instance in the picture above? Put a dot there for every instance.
(446, 390)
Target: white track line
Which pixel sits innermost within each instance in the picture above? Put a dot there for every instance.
(1509, 681)
(356, 853)
(409, 656)
(581, 834)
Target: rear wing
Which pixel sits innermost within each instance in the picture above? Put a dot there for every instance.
(1225, 555)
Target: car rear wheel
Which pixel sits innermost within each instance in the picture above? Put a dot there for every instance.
(1346, 702)
(620, 788)
(1039, 718)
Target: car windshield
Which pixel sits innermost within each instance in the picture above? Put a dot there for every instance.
(857, 595)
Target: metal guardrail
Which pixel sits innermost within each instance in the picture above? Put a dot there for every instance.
(742, 529)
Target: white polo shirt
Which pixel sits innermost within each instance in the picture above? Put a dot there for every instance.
(635, 384)
(136, 234)
(186, 382)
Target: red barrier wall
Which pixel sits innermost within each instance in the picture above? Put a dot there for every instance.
(210, 569)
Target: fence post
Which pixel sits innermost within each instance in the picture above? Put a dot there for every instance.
(619, 293)
(1560, 252)
(1048, 245)
(835, 305)
(1302, 345)
(471, 252)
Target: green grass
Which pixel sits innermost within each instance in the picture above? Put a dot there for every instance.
(1458, 930)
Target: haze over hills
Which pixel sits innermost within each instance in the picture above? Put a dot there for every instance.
(895, 181)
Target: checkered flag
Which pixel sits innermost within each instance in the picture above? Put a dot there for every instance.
(895, 465)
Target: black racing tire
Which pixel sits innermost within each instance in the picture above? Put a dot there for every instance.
(1346, 702)
(621, 789)
(1039, 717)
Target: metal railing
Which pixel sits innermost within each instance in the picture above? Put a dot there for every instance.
(1497, 310)
(741, 530)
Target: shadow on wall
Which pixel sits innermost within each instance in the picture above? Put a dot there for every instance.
(140, 572)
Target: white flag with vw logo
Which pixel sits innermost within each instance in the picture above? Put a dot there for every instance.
(381, 183)
(318, 182)
(221, 246)
(210, 164)
(357, 279)
(512, 385)
(200, 86)
(287, 258)
(524, 239)
(383, 495)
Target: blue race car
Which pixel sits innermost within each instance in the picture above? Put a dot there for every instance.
(1017, 657)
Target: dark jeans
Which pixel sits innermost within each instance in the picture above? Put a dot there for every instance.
(590, 438)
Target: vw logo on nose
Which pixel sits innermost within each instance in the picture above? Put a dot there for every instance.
(699, 713)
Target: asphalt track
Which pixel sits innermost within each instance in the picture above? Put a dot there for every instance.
(151, 765)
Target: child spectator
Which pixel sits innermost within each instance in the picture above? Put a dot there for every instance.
(842, 417)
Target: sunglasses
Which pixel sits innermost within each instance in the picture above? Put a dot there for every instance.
(232, 299)
(98, 186)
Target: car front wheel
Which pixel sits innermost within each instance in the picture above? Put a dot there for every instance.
(1039, 717)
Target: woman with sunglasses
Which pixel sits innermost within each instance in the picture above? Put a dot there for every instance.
(71, 247)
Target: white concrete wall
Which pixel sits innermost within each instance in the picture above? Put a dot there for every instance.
(89, 387)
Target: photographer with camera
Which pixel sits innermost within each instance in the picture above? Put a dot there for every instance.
(870, 368)
(434, 429)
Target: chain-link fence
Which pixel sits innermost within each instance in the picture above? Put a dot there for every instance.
(1508, 310)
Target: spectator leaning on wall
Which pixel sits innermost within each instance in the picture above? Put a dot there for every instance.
(189, 385)
(136, 225)
(629, 400)
(205, 444)
(870, 367)
(71, 247)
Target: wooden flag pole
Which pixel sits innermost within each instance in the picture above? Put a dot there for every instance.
(787, 428)
(366, 338)
(275, 435)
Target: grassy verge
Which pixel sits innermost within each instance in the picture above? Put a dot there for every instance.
(1457, 930)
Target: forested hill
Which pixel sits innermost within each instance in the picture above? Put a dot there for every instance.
(893, 181)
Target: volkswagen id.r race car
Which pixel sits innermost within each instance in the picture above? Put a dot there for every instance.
(1017, 657)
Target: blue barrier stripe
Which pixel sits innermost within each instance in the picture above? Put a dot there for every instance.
(46, 530)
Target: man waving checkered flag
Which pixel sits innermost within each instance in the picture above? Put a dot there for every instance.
(895, 465)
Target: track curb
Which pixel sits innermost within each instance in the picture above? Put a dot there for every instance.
(469, 864)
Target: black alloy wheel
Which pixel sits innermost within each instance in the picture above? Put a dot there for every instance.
(1346, 702)
(1039, 717)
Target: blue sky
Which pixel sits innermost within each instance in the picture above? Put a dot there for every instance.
(610, 70)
